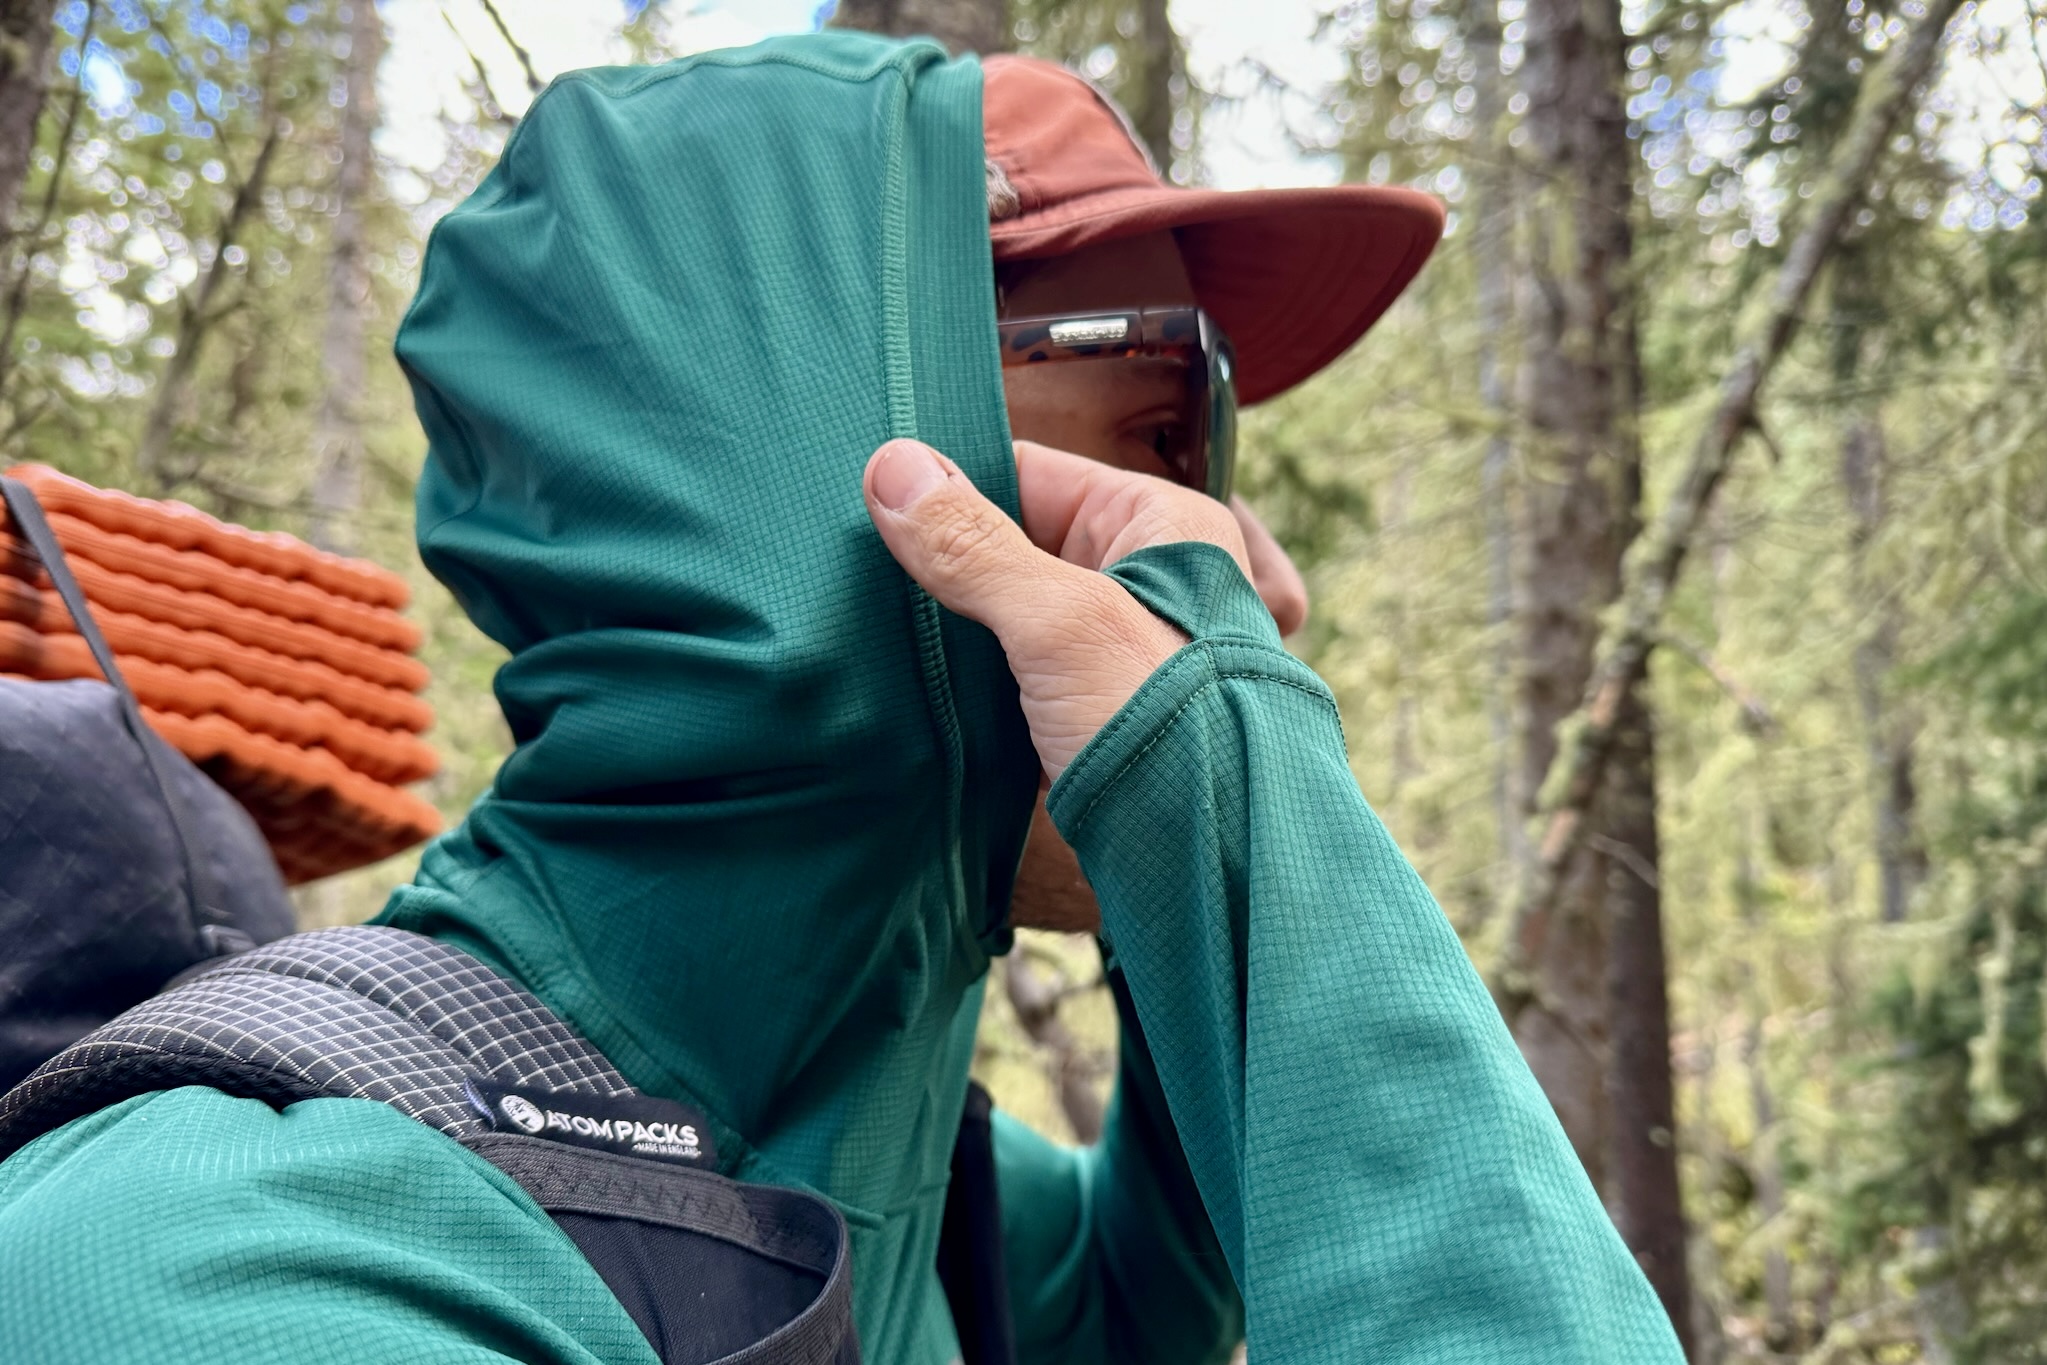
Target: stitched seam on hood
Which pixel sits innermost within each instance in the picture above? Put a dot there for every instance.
(902, 412)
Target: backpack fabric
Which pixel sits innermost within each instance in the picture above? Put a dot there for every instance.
(384, 1015)
(121, 864)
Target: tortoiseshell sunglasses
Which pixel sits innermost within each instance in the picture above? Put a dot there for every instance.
(1202, 452)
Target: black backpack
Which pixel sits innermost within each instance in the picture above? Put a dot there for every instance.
(121, 864)
(124, 868)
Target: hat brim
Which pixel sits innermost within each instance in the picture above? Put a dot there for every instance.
(1293, 276)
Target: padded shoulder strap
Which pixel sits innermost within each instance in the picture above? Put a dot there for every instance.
(712, 1270)
(361, 1012)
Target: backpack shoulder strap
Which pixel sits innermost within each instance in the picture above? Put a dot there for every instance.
(361, 1012)
(375, 1013)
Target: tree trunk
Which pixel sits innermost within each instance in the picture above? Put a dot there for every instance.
(1769, 1174)
(1765, 1157)
(1709, 1340)
(1147, 95)
(1597, 1033)
(1939, 1311)
(1036, 999)
(1648, 1204)
(25, 38)
(1403, 743)
(1888, 733)
(962, 25)
(338, 446)
(25, 30)
(1576, 410)
(1492, 210)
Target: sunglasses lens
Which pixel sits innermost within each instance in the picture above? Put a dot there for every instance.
(1075, 364)
(1222, 414)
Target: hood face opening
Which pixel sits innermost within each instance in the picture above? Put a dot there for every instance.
(758, 835)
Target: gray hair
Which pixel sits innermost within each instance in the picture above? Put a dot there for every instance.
(1003, 200)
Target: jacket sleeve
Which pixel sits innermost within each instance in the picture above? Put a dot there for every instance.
(1110, 1257)
(1384, 1176)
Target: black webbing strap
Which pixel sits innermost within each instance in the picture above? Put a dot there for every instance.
(208, 918)
(970, 1260)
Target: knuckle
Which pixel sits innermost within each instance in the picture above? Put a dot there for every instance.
(1164, 513)
(1214, 521)
(960, 538)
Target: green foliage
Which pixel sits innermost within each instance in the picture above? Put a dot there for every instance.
(1860, 1102)
(1968, 1132)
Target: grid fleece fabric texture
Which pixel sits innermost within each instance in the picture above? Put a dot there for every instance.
(757, 840)
(1388, 1181)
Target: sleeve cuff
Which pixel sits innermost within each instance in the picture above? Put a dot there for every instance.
(1199, 588)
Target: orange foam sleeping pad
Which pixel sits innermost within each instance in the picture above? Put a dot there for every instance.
(187, 528)
(317, 816)
(196, 650)
(392, 756)
(108, 590)
(197, 571)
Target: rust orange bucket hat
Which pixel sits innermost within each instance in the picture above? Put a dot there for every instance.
(1293, 276)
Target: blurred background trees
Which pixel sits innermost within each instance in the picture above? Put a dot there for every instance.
(1781, 967)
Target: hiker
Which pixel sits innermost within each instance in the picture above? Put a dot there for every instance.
(709, 377)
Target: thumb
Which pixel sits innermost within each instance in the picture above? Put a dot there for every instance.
(960, 547)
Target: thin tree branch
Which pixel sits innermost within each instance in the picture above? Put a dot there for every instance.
(2035, 23)
(198, 316)
(1762, 433)
(1650, 574)
(1627, 857)
(478, 84)
(17, 298)
(533, 81)
(1672, 19)
(233, 490)
(25, 419)
(1755, 716)
(189, 67)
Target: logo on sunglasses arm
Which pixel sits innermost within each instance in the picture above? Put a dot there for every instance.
(1090, 331)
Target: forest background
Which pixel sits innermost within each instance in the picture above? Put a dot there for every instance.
(1679, 544)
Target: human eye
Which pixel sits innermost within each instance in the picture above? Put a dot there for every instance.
(1157, 437)
(1164, 439)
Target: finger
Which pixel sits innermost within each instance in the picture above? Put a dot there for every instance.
(959, 547)
(1051, 485)
(1092, 514)
(1273, 573)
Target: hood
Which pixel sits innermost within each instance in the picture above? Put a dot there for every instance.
(758, 835)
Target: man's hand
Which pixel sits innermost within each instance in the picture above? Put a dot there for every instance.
(1079, 644)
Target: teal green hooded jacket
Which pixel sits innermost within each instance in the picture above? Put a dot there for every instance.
(758, 835)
